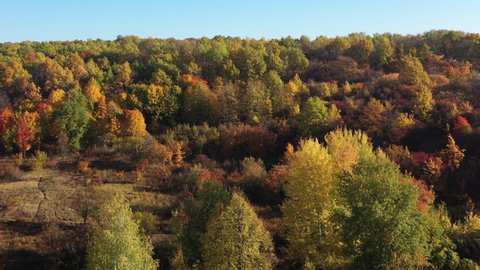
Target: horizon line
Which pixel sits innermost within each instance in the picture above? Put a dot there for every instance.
(238, 36)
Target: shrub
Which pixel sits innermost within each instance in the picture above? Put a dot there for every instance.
(39, 159)
(158, 174)
(83, 166)
(148, 222)
(253, 169)
(139, 149)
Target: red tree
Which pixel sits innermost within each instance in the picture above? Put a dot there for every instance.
(25, 134)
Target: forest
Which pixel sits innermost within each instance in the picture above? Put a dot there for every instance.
(353, 152)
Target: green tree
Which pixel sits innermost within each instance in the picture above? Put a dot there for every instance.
(361, 49)
(273, 83)
(382, 53)
(251, 63)
(383, 228)
(237, 239)
(317, 117)
(115, 241)
(191, 226)
(74, 117)
(296, 62)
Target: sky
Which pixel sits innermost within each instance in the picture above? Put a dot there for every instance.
(44, 20)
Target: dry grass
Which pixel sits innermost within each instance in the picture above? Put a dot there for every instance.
(58, 195)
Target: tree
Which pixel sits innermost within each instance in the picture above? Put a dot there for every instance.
(73, 118)
(123, 74)
(133, 123)
(423, 103)
(273, 83)
(228, 103)
(336, 47)
(157, 103)
(372, 118)
(347, 147)
(295, 62)
(76, 65)
(383, 228)
(251, 63)
(192, 221)
(317, 117)
(453, 155)
(27, 129)
(50, 75)
(283, 99)
(237, 239)
(92, 91)
(56, 98)
(412, 72)
(199, 103)
(361, 49)
(115, 241)
(256, 104)
(309, 216)
(382, 53)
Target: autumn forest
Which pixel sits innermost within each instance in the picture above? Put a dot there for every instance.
(354, 152)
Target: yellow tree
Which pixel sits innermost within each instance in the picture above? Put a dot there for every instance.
(92, 91)
(133, 123)
(57, 98)
(308, 216)
(412, 72)
(115, 241)
(237, 239)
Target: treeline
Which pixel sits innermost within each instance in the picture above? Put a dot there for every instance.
(232, 105)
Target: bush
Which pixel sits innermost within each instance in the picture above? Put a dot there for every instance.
(253, 170)
(83, 166)
(148, 222)
(243, 140)
(467, 264)
(158, 174)
(39, 159)
(142, 148)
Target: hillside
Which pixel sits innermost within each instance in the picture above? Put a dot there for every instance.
(346, 152)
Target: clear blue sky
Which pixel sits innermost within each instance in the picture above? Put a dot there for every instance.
(40, 20)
